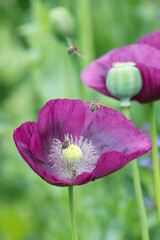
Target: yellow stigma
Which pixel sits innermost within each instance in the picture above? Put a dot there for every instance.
(72, 153)
(123, 64)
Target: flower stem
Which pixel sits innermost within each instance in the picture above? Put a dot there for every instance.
(83, 9)
(85, 23)
(155, 158)
(71, 207)
(138, 190)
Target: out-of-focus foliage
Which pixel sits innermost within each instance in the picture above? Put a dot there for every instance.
(34, 67)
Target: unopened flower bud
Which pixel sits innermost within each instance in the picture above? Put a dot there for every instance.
(62, 22)
(124, 81)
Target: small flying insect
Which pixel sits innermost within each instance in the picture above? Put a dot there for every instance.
(94, 106)
(73, 49)
(65, 144)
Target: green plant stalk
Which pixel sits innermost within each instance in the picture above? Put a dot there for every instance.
(83, 8)
(138, 190)
(85, 36)
(71, 207)
(156, 172)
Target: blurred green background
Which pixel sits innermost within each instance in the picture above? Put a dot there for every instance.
(34, 67)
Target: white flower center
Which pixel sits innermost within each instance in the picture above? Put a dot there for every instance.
(79, 156)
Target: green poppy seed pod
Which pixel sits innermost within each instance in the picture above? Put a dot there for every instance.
(124, 81)
(62, 22)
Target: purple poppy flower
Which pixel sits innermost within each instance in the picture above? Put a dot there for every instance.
(145, 57)
(70, 145)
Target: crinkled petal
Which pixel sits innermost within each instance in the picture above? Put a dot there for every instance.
(110, 130)
(22, 137)
(152, 39)
(145, 57)
(112, 161)
(56, 118)
(23, 134)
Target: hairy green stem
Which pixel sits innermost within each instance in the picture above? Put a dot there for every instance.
(156, 172)
(138, 190)
(71, 207)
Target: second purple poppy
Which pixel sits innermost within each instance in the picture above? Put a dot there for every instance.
(70, 145)
(145, 54)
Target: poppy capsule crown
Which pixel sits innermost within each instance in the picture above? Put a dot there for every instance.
(124, 81)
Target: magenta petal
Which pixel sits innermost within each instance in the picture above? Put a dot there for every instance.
(108, 163)
(95, 74)
(112, 161)
(56, 118)
(151, 85)
(152, 39)
(23, 134)
(109, 130)
(80, 180)
(84, 178)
